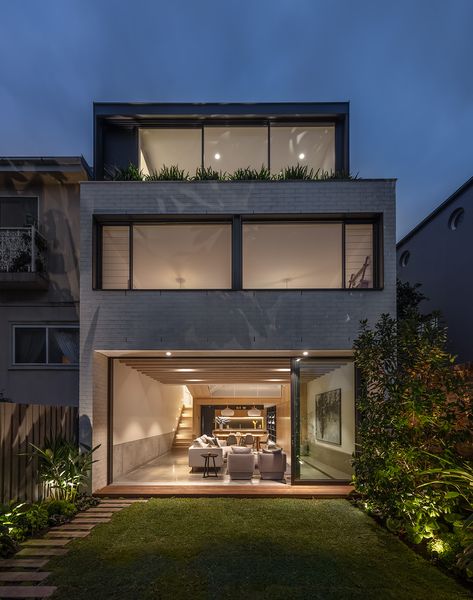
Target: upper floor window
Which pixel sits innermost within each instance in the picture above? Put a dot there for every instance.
(229, 148)
(252, 254)
(182, 256)
(292, 255)
(168, 147)
(46, 345)
(18, 211)
(311, 146)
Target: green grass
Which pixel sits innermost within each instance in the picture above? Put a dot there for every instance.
(197, 549)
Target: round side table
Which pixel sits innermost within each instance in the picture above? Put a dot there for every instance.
(208, 468)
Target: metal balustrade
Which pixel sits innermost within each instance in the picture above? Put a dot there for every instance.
(22, 250)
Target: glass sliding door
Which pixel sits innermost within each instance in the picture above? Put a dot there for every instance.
(323, 419)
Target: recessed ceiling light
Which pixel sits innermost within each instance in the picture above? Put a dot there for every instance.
(301, 156)
(274, 379)
(168, 353)
(285, 370)
(217, 156)
(194, 380)
(185, 370)
(305, 353)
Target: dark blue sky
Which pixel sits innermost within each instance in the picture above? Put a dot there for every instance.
(405, 66)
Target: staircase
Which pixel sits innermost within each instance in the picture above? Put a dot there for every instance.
(183, 437)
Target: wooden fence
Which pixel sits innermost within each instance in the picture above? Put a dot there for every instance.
(21, 424)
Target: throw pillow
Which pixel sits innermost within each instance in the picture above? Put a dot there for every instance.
(240, 450)
(199, 443)
(272, 444)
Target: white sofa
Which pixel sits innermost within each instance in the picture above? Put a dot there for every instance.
(196, 460)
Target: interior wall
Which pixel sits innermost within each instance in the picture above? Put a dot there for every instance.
(339, 457)
(145, 417)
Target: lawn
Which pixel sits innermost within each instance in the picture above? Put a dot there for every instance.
(245, 548)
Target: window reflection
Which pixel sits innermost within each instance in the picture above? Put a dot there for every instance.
(168, 147)
(231, 148)
(311, 146)
(292, 255)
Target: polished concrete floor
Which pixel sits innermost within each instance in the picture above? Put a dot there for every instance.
(172, 468)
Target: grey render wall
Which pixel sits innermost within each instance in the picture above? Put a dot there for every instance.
(214, 320)
(59, 219)
(442, 261)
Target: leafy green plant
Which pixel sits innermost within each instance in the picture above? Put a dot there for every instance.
(8, 546)
(172, 173)
(84, 501)
(456, 481)
(63, 467)
(415, 408)
(22, 519)
(208, 174)
(250, 174)
(297, 172)
(60, 507)
(129, 173)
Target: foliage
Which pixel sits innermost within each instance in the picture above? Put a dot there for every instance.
(8, 545)
(208, 174)
(250, 174)
(63, 467)
(296, 172)
(129, 173)
(60, 507)
(172, 173)
(457, 481)
(84, 501)
(415, 409)
(22, 519)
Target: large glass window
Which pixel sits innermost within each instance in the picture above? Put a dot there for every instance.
(115, 257)
(227, 149)
(182, 256)
(168, 147)
(324, 419)
(311, 146)
(292, 255)
(46, 345)
(359, 256)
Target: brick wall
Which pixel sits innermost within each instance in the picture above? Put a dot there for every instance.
(215, 320)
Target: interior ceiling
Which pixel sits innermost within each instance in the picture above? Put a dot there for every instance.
(200, 373)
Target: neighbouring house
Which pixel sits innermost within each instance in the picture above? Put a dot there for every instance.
(39, 279)
(218, 316)
(438, 253)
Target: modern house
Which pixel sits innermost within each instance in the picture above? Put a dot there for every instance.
(438, 253)
(227, 308)
(39, 279)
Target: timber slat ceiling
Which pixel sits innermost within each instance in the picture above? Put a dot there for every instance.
(205, 371)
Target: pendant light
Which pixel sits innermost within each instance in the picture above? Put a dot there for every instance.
(227, 412)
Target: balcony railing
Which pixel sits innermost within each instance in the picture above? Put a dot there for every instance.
(23, 253)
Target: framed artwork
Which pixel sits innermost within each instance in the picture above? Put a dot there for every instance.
(328, 417)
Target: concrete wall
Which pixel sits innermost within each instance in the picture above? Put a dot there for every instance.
(337, 457)
(145, 417)
(215, 320)
(442, 259)
(58, 202)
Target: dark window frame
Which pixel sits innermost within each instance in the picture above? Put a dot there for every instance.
(46, 327)
(236, 221)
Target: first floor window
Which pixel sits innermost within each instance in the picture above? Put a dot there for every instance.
(46, 345)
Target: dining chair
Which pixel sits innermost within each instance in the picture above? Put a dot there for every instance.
(232, 440)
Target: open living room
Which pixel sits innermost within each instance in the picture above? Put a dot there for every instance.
(213, 421)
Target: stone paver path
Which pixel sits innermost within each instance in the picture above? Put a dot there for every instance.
(22, 576)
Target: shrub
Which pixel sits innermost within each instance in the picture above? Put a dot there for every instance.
(64, 468)
(21, 520)
(8, 545)
(299, 172)
(415, 409)
(60, 507)
(84, 501)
